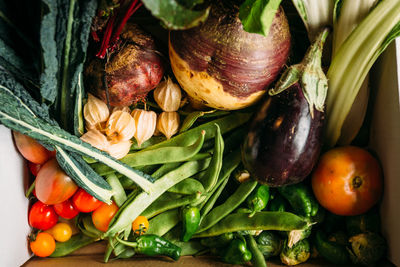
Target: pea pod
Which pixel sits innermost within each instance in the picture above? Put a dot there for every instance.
(258, 199)
(300, 198)
(331, 251)
(258, 259)
(157, 156)
(211, 176)
(190, 222)
(77, 241)
(134, 208)
(219, 212)
(164, 222)
(264, 220)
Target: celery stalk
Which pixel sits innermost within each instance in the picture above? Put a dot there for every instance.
(354, 59)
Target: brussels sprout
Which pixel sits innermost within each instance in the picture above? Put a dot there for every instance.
(298, 253)
(269, 243)
(366, 248)
(295, 236)
(367, 222)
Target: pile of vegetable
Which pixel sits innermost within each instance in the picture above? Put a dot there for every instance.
(174, 128)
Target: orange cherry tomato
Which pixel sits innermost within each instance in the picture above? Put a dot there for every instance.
(44, 245)
(103, 215)
(84, 202)
(30, 149)
(347, 181)
(140, 225)
(53, 185)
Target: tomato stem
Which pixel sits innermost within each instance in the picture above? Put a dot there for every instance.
(357, 182)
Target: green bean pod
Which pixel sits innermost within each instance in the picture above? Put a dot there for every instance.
(188, 186)
(258, 259)
(264, 220)
(164, 222)
(157, 156)
(191, 118)
(77, 241)
(209, 202)
(164, 169)
(119, 195)
(219, 212)
(211, 176)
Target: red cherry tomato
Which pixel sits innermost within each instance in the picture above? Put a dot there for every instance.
(84, 202)
(30, 149)
(53, 185)
(102, 216)
(347, 181)
(66, 210)
(42, 216)
(34, 168)
(44, 245)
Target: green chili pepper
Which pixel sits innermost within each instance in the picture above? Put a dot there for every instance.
(258, 259)
(217, 241)
(300, 198)
(331, 251)
(190, 222)
(153, 245)
(258, 199)
(278, 203)
(237, 252)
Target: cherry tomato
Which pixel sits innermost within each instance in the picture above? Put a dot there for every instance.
(102, 216)
(140, 225)
(42, 216)
(61, 232)
(53, 185)
(44, 245)
(30, 149)
(34, 168)
(84, 202)
(347, 181)
(66, 210)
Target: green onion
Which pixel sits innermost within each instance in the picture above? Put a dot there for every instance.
(353, 61)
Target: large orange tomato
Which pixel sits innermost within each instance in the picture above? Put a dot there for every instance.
(30, 149)
(347, 181)
(53, 185)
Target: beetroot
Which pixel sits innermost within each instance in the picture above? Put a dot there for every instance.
(129, 73)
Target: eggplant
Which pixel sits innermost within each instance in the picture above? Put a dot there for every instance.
(285, 136)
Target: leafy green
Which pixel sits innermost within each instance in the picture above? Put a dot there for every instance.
(176, 16)
(16, 115)
(257, 15)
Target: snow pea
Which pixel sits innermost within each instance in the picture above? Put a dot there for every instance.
(163, 222)
(264, 220)
(211, 176)
(219, 212)
(157, 156)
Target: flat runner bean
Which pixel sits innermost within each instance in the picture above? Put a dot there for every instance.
(157, 156)
(188, 186)
(219, 212)
(126, 215)
(164, 222)
(211, 176)
(264, 220)
(119, 195)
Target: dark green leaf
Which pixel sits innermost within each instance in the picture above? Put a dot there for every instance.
(257, 15)
(175, 16)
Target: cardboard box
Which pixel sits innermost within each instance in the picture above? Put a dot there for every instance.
(385, 140)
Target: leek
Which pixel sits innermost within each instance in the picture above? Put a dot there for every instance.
(353, 60)
(316, 14)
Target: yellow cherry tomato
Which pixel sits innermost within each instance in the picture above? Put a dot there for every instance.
(140, 225)
(61, 232)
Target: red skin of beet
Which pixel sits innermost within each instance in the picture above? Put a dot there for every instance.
(130, 73)
(244, 63)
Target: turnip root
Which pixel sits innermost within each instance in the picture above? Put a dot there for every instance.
(130, 72)
(221, 66)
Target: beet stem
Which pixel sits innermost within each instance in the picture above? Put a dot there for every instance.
(106, 38)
